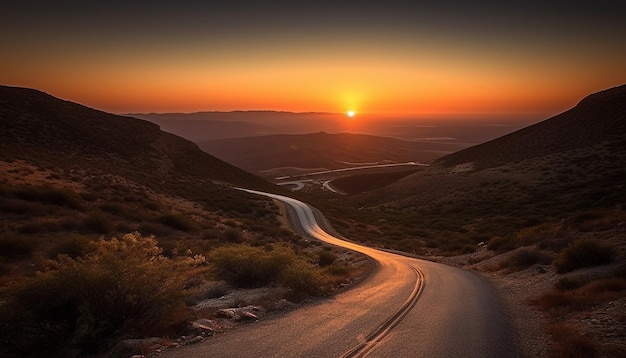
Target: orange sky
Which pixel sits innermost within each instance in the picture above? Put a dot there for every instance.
(422, 61)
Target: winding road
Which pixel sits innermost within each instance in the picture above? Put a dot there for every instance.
(406, 308)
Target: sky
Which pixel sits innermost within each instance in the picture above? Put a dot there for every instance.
(415, 59)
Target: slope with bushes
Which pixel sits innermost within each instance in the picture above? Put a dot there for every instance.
(111, 229)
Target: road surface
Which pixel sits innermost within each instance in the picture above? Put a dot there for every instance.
(406, 308)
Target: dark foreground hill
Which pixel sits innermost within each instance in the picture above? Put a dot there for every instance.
(320, 151)
(568, 170)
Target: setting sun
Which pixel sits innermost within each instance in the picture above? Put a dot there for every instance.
(350, 113)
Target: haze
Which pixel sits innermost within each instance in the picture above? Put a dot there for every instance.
(450, 60)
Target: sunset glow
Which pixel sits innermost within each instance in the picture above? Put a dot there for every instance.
(426, 61)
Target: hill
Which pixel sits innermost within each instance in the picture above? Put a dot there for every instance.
(111, 228)
(205, 126)
(42, 129)
(597, 118)
(567, 171)
(320, 151)
(540, 212)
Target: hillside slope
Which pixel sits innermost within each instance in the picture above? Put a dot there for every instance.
(597, 118)
(38, 127)
(566, 169)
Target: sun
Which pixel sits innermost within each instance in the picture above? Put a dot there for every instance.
(350, 113)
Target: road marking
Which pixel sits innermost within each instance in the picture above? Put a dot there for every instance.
(314, 230)
(372, 339)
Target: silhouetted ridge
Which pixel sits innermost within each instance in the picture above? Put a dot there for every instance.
(598, 117)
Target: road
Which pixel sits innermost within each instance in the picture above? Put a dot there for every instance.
(406, 308)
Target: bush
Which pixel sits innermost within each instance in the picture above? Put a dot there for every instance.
(525, 257)
(72, 246)
(497, 242)
(303, 279)
(570, 343)
(179, 222)
(48, 194)
(98, 222)
(583, 253)
(326, 258)
(247, 266)
(124, 288)
(12, 248)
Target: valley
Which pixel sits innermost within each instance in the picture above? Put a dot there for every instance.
(100, 202)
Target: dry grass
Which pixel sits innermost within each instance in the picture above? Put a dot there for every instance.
(570, 343)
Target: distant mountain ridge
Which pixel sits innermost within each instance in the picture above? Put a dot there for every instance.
(212, 125)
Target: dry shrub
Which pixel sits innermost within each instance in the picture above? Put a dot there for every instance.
(524, 258)
(326, 257)
(583, 253)
(247, 266)
(570, 343)
(179, 222)
(577, 294)
(124, 288)
(15, 248)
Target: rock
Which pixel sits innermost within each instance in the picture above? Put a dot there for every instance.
(226, 312)
(195, 339)
(204, 325)
(248, 317)
(239, 314)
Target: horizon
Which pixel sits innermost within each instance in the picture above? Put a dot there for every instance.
(425, 61)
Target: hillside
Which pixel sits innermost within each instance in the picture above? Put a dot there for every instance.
(597, 118)
(111, 229)
(204, 126)
(540, 212)
(39, 127)
(320, 151)
(565, 169)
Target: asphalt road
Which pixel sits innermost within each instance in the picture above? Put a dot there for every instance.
(406, 308)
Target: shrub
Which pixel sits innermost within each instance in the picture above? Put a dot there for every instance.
(525, 257)
(232, 235)
(583, 253)
(13, 248)
(326, 258)
(570, 283)
(570, 343)
(72, 246)
(496, 243)
(148, 228)
(303, 279)
(247, 266)
(48, 194)
(179, 222)
(123, 288)
(98, 222)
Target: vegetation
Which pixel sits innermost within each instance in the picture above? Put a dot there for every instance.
(125, 287)
(583, 253)
(575, 296)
